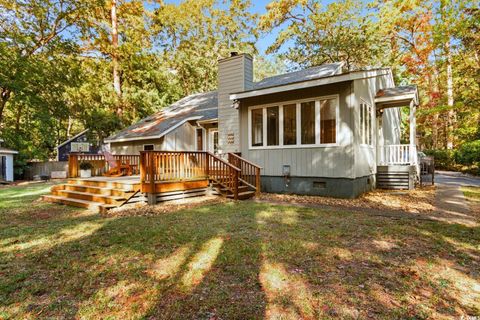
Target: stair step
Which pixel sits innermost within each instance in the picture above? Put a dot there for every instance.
(240, 189)
(113, 200)
(243, 195)
(106, 184)
(96, 190)
(90, 205)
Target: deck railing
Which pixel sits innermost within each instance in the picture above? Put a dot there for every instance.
(397, 154)
(249, 172)
(100, 166)
(176, 166)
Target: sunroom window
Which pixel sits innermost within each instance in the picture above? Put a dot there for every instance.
(257, 127)
(328, 121)
(308, 122)
(366, 124)
(294, 124)
(290, 124)
(273, 119)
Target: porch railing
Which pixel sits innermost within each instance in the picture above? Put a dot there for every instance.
(397, 154)
(100, 166)
(176, 166)
(249, 172)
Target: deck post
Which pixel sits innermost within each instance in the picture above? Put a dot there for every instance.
(257, 182)
(72, 166)
(151, 198)
(235, 184)
(413, 126)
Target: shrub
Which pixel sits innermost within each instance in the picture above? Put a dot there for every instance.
(468, 153)
(86, 166)
(444, 159)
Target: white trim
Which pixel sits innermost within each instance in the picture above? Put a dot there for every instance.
(298, 145)
(409, 96)
(311, 83)
(157, 136)
(3, 151)
(211, 146)
(370, 108)
(207, 121)
(72, 138)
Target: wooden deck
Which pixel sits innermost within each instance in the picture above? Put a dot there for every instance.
(164, 175)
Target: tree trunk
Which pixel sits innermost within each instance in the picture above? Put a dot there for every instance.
(69, 127)
(450, 101)
(4, 96)
(434, 95)
(115, 63)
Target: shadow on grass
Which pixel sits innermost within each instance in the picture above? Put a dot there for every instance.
(245, 261)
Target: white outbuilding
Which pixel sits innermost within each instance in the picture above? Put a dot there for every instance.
(6, 163)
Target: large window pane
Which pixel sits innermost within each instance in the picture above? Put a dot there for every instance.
(369, 117)
(290, 124)
(308, 122)
(273, 119)
(328, 121)
(257, 127)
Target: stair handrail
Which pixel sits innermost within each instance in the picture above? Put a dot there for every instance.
(247, 170)
(233, 171)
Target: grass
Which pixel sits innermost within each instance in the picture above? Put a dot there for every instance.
(472, 193)
(231, 261)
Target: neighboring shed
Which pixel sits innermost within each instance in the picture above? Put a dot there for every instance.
(77, 144)
(6, 163)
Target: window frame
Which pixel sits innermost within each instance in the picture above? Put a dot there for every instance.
(149, 144)
(297, 102)
(361, 124)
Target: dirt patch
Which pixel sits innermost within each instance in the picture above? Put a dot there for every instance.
(165, 207)
(412, 201)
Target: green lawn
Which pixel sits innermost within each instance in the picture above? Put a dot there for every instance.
(472, 193)
(231, 261)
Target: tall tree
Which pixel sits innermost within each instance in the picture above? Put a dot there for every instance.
(115, 64)
(194, 34)
(28, 29)
(315, 34)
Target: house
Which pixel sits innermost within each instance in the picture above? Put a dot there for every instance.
(6, 163)
(77, 144)
(318, 131)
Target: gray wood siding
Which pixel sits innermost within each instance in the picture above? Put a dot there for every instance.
(181, 139)
(366, 89)
(234, 74)
(332, 161)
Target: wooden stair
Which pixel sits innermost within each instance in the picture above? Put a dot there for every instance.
(97, 195)
(244, 191)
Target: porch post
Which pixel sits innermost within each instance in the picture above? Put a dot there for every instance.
(413, 132)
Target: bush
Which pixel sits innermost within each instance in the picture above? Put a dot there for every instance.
(468, 153)
(86, 166)
(444, 159)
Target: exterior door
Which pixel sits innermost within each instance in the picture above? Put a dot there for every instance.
(213, 141)
(3, 168)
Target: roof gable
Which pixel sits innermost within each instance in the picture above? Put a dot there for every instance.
(200, 106)
(324, 70)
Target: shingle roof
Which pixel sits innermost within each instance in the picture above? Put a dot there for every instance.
(396, 91)
(325, 70)
(201, 106)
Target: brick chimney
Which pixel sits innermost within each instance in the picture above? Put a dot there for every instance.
(235, 74)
